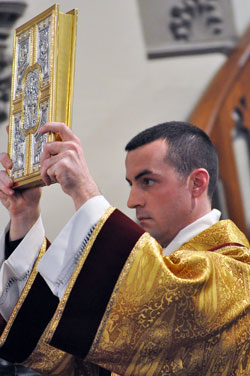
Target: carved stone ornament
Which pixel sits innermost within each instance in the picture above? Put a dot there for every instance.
(10, 11)
(182, 27)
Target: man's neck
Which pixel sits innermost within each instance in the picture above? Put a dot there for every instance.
(191, 230)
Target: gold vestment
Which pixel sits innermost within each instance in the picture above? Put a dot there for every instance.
(186, 314)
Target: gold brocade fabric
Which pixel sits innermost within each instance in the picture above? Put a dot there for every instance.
(187, 314)
(183, 315)
(50, 361)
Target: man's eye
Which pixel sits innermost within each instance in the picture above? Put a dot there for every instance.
(148, 182)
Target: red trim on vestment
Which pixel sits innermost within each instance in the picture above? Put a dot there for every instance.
(2, 324)
(225, 245)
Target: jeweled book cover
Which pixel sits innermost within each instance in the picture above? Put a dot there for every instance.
(41, 88)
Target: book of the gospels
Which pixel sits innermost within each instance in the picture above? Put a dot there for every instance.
(41, 88)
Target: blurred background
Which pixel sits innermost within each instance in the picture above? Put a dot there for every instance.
(125, 80)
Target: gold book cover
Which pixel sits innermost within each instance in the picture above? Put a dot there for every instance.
(41, 88)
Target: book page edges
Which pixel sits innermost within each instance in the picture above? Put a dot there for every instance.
(65, 67)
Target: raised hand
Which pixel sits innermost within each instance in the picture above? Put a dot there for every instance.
(23, 205)
(64, 162)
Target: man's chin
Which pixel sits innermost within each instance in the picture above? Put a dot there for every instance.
(146, 224)
(150, 228)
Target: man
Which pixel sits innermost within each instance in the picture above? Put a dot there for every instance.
(125, 306)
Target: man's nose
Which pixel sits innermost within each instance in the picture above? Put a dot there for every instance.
(135, 198)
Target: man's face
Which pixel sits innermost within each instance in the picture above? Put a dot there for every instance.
(162, 199)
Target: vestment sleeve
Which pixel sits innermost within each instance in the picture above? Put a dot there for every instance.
(15, 270)
(133, 311)
(59, 262)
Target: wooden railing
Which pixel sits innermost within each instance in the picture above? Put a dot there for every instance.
(223, 111)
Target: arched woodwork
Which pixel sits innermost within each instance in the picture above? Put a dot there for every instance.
(226, 98)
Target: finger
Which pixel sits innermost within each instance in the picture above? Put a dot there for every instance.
(59, 149)
(5, 160)
(7, 128)
(5, 179)
(48, 167)
(47, 152)
(65, 133)
(49, 176)
(7, 193)
(46, 162)
(6, 183)
(45, 177)
(54, 148)
(50, 150)
(51, 172)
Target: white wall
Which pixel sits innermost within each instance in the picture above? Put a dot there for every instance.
(118, 92)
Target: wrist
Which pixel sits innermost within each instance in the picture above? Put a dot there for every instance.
(21, 223)
(83, 196)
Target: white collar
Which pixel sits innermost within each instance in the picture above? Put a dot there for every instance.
(190, 231)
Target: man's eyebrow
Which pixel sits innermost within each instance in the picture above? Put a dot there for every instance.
(142, 173)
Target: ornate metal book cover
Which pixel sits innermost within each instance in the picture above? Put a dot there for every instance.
(41, 89)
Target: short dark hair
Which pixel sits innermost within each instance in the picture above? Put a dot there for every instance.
(188, 148)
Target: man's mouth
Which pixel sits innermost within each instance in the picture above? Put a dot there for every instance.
(142, 219)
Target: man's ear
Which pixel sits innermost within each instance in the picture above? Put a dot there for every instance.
(198, 183)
